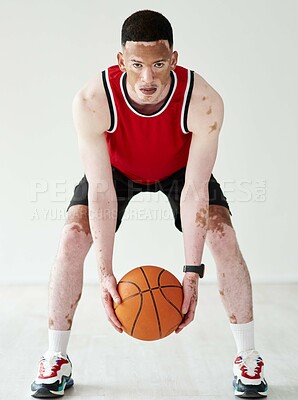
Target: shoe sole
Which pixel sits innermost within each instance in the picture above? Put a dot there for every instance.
(249, 391)
(250, 395)
(45, 393)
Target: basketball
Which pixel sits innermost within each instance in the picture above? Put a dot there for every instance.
(151, 306)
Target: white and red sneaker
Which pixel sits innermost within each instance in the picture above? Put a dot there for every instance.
(53, 377)
(249, 381)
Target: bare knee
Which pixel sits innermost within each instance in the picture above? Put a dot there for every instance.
(76, 236)
(221, 237)
(78, 219)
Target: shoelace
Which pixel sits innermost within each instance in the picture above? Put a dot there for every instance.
(49, 362)
(250, 361)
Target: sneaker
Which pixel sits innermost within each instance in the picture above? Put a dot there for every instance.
(54, 375)
(249, 381)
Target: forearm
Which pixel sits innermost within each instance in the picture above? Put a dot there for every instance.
(102, 218)
(194, 218)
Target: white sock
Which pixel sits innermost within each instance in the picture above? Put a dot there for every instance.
(58, 341)
(244, 336)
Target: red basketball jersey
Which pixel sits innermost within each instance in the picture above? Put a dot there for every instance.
(148, 148)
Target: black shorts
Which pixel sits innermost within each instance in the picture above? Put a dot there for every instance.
(171, 187)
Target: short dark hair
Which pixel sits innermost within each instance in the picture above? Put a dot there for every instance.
(146, 26)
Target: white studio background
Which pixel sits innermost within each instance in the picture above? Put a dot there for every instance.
(247, 50)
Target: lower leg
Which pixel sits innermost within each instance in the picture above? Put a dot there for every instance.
(235, 287)
(236, 293)
(67, 277)
(233, 276)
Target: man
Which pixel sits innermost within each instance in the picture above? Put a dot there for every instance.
(148, 124)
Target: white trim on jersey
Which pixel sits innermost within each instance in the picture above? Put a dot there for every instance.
(113, 102)
(184, 102)
(161, 110)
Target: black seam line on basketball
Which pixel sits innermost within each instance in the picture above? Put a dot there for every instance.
(137, 316)
(133, 283)
(153, 299)
(144, 291)
(141, 304)
(163, 286)
(168, 300)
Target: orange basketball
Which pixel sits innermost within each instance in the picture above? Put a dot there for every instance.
(151, 303)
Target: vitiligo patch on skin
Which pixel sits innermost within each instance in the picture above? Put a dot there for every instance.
(233, 319)
(213, 127)
(219, 220)
(201, 217)
(83, 227)
(78, 219)
(131, 43)
(220, 229)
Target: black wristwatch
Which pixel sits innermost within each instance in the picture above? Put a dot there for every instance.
(199, 269)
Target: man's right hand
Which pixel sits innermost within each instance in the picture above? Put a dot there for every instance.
(109, 294)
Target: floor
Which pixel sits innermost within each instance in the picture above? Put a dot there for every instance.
(193, 365)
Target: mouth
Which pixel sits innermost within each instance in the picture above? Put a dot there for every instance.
(148, 91)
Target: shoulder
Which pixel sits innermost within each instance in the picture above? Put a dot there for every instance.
(90, 101)
(206, 104)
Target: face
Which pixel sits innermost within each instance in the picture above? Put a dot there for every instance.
(148, 66)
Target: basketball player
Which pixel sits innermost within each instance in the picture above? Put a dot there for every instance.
(148, 124)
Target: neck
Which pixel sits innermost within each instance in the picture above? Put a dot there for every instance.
(147, 108)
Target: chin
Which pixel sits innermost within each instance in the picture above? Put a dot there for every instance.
(148, 99)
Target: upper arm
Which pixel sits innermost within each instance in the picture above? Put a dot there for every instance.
(204, 121)
(91, 119)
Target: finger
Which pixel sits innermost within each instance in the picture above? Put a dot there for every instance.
(189, 317)
(120, 330)
(109, 309)
(115, 295)
(185, 305)
(111, 314)
(186, 302)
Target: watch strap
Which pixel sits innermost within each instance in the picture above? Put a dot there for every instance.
(199, 269)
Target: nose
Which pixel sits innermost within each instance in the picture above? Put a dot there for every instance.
(147, 75)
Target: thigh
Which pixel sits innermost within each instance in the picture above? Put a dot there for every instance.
(80, 194)
(124, 187)
(173, 187)
(216, 195)
(219, 216)
(125, 190)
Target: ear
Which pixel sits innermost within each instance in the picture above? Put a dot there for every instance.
(174, 60)
(121, 62)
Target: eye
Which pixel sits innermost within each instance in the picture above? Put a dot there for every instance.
(159, 65)
(137, 65)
